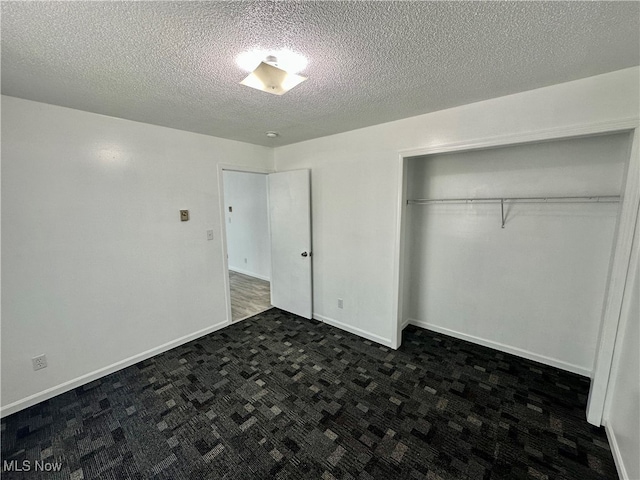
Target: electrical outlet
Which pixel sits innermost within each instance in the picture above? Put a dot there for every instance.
(340, 305)
(39, 362)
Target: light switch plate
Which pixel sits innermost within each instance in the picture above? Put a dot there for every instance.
(184, 215)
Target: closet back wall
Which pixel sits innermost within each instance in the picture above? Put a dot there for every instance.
(535, 288)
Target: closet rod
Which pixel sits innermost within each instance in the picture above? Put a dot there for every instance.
(502, 200)
(585, 199)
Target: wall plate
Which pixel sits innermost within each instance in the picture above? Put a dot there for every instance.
(184, 215)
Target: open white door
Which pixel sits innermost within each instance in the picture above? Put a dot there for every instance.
(290, 224)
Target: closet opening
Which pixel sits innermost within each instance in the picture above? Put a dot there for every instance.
(516, 246)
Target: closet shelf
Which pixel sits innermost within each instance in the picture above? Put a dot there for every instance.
(502, 200)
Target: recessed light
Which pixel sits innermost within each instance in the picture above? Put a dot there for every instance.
(272, 134)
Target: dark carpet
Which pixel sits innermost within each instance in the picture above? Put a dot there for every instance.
(278, 396)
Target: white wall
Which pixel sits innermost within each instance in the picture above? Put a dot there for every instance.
(535, 288)
(355, 185)
(622, 409)
(247, 224)
(97, 267)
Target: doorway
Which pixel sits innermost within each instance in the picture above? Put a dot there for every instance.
(246, 217)
(266, 220)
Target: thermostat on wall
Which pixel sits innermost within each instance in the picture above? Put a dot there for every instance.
(184, 215)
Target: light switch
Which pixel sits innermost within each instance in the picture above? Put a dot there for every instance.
(209, 234)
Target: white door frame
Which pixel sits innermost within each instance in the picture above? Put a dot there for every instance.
(623, 239)
(222, 167)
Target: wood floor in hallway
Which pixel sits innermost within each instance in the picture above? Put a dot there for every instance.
(249, 295)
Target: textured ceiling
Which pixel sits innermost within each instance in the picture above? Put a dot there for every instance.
(173, 63)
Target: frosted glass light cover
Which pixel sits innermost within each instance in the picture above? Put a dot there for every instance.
(272, 79)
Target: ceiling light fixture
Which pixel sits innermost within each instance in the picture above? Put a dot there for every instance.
(272, 134)
(271, 74)
(287, 60)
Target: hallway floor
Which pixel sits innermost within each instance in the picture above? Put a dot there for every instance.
(249, 295)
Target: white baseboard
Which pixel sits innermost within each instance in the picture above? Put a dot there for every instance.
(405, 323)
(554, 362)
(249, 274)
(95, 375)
(615, 451)
(356, 331)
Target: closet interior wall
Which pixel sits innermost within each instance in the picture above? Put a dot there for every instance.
(536, 287)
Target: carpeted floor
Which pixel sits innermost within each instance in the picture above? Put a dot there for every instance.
(277, 396)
